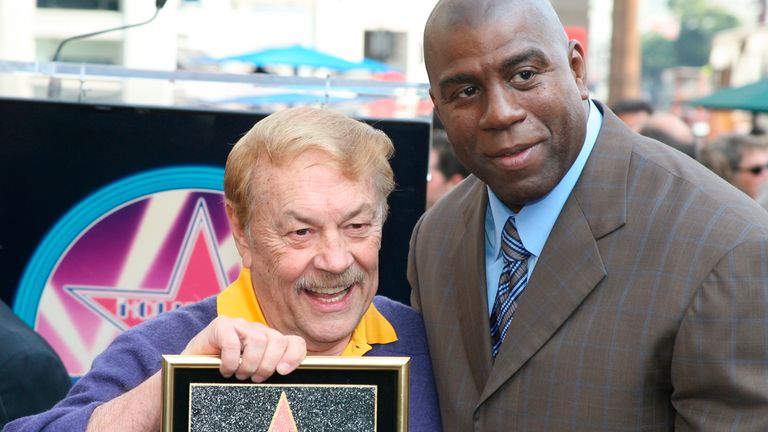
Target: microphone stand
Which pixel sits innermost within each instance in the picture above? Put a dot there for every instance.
(54, 84)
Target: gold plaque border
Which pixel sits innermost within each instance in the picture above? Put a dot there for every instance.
(175, 363)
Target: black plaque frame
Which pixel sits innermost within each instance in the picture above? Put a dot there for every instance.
(390, 376)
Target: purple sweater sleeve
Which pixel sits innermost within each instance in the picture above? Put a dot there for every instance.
(132, 357)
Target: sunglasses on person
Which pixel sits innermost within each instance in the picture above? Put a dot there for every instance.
(755, 170)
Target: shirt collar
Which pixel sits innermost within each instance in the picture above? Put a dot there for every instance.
(535, 220)
(239, 301)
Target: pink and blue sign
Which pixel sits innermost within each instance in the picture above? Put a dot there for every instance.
(138, 247)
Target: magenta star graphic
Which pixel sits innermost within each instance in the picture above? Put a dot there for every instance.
(197, 273)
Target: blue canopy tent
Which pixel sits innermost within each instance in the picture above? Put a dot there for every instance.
(376, 66)
(295, 56)
(298, 56)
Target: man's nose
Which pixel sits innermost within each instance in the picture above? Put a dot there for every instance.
(333, 255)
(502, 109)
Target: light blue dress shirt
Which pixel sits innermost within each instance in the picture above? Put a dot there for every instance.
(535, 220)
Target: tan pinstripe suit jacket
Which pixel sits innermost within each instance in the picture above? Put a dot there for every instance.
(647, 310)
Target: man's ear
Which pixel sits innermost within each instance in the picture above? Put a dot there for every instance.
(455, 179)
(238, 233)
(578, 67)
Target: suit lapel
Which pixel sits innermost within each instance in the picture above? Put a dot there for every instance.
(468, 265)
(552, 293)
(570, 266)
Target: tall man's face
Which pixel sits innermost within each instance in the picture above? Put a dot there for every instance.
(512, 97)
(313, 252)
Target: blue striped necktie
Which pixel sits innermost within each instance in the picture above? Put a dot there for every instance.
(512, 282)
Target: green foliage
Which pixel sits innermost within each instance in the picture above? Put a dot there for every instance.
(696, 32)
(700, 20)
(658, 54)
(688, 7)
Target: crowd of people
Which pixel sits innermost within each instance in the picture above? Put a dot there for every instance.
(741, 159)
(581, 277)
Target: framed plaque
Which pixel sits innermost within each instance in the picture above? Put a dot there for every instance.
(323, 394)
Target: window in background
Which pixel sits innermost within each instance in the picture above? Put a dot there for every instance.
(81, 51)
(113, 5)
(387, 47)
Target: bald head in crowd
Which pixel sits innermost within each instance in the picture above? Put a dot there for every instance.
(671, 130)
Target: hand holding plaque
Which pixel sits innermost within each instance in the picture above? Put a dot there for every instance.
(248, 350)
(324, 394)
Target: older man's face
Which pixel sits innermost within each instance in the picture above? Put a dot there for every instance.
(314, 250)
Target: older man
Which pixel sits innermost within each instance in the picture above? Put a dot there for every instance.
(306, 195)
(584, 277)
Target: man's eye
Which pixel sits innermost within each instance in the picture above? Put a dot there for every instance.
(359, 229)
(302, 232)
(467, 92)
(523, 76)
(463, 93)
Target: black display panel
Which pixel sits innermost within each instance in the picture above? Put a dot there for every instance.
(54, 154)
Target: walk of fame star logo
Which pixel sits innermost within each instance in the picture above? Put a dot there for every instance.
(282, 420)
(197, 273)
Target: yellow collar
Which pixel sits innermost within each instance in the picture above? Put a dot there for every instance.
(239, 301)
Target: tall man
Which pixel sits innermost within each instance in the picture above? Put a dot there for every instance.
(584, 277)
(306, 195)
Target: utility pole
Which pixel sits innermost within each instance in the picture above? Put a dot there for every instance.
(625, 52)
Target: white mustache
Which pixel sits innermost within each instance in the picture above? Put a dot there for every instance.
(324, 281)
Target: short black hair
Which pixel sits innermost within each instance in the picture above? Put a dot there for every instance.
(663, 136)
(447, 162)
(632, 105)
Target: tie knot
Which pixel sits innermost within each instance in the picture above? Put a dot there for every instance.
(511, 247)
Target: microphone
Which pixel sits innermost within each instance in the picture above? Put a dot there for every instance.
(54, 84)
(158, 5)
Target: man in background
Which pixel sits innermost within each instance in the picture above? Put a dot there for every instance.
(32, 377)
(671, 130)
(633, 111)
(445, 170)
(747, 161)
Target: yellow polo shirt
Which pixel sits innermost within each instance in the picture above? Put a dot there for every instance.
(239, 301)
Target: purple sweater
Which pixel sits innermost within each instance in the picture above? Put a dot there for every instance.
(134, 356)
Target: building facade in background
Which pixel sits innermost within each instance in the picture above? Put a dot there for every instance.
(188, 32)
